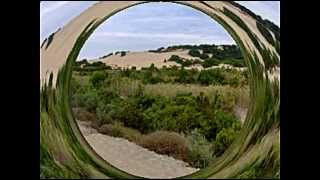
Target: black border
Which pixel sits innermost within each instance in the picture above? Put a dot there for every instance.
(20, 68)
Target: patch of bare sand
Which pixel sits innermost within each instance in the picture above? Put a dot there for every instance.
(132, 158)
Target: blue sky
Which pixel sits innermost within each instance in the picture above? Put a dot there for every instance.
(147, 26)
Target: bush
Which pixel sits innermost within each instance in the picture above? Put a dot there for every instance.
(212, 76)
(123, 53)
(169, 143)
(176, 59)
(110, 130)
(224, 138)
(200, 150)
(204, 56)
(194, 53)
(177, 114)
(210, 62)
(83, 115)
(97, 78)
(131, 115)
(118, 130)
(86, 98)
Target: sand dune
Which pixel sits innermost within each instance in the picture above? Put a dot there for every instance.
(143, 59)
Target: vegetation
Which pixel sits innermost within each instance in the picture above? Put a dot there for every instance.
(50, 38)
(122, 103)
(110, 54)
(84, 66)
(184, 62)
(122, 53)
(212, 55)
(157, 50)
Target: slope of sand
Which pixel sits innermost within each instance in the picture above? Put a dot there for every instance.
(132, 158)
(143, 59)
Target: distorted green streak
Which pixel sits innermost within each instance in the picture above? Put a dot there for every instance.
(56, 118)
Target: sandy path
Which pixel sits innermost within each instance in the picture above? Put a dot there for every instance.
(132, 158)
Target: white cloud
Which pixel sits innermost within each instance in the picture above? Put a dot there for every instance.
(147, 35)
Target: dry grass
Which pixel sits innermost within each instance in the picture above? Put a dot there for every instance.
(229, 96)
(118, 130)
(82, 115)
(125, 86)
(169, 143)
(162, 142)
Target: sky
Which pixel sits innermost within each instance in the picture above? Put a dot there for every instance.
(147, 26)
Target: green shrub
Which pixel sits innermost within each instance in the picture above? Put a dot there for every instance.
(204, 56)
(85, 97)
(178, 114)
(131, 115)
(210, 62)
(169, 143)
(103, 113)
(200, 150)
(194, 53)
(225, 137)
(97, 78)
(212, 76)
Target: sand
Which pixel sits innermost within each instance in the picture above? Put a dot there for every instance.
(132, 158)
(144, 59)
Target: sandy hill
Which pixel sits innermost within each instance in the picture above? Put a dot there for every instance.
(158, 57)
(143, 59)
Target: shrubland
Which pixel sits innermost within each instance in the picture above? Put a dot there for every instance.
(187, 114)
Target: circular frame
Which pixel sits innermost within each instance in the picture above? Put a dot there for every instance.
(64, 153)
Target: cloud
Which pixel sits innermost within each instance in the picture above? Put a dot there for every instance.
(147, 35)
(52, 7)
(148, 26)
